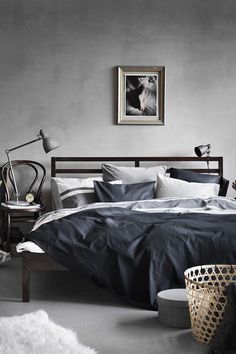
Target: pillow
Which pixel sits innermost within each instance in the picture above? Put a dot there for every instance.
(190, 176)
(171, 187)
(73, 192)
(106, 192)
(131, 174)
(224, 184)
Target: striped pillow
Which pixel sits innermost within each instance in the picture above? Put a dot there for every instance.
(73, 192)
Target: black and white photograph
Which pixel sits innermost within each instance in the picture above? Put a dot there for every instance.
(141, 95)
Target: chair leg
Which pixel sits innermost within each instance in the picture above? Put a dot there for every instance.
(2, 233)
(25, 279)
(8, 231)
(5, 232)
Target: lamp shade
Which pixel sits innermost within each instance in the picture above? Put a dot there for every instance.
(202, 150)
(49, 143)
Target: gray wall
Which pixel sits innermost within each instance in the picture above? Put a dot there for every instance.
(57, 72)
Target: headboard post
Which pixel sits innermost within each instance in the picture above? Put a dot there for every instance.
(220, 165)
(53, 166)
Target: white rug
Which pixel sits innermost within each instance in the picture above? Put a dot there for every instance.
(35, 333)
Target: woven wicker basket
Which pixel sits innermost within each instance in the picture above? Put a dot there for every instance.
(205, 287)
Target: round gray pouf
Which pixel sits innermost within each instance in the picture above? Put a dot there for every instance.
(173, 310)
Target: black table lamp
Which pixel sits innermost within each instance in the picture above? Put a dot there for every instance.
(202, 150)
(49, 144)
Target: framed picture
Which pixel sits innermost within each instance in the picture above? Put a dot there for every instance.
(141, 93)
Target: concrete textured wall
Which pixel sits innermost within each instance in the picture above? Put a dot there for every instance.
(58, 72)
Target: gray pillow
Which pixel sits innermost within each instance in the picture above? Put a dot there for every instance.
(107, 192)
(131, 174)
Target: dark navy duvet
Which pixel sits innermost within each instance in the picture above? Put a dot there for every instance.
(137, 253)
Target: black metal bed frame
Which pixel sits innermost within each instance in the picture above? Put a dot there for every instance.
(42, 262)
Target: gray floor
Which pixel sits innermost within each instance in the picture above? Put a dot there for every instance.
(100, 320)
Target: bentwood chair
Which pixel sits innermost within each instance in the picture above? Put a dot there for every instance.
(30, 177)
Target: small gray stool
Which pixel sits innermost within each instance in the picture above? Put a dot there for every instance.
(173, 310)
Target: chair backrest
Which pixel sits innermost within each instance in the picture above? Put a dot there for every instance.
(30, 176)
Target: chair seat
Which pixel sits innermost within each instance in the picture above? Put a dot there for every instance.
(22, 209)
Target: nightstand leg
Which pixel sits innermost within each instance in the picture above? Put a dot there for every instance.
(25, 280)
(8, 231)
(2, 234)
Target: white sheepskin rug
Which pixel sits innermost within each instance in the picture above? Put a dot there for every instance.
(35, 333)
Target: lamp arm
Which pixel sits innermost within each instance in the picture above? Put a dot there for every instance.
(208, 163)
(19, 146)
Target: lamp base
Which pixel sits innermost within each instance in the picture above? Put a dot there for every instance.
(17, 202)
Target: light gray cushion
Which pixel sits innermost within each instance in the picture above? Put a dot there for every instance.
(177, 188)
(131, 174)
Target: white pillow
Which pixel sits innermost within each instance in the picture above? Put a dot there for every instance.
(171, 187)
(73, 192)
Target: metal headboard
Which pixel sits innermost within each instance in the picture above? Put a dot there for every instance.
(57, 162)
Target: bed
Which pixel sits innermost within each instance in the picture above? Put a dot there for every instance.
(127, 214)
